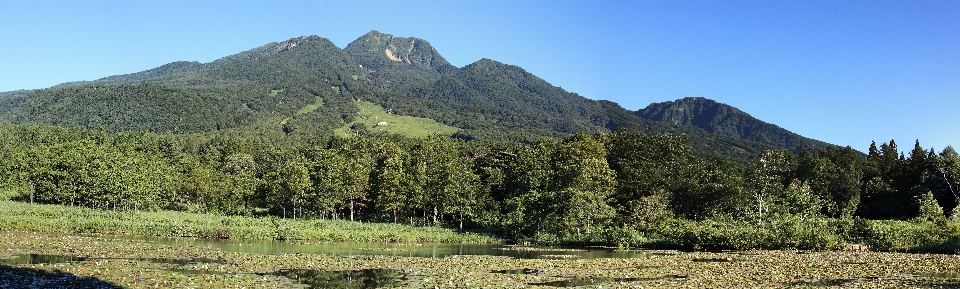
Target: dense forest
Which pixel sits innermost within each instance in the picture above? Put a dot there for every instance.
(265, 92)
(726, 120)
(614, 188)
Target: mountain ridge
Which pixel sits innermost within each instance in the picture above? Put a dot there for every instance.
(486, 99)
(724, 119)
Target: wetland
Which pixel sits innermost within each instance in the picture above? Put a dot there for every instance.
(106, 261)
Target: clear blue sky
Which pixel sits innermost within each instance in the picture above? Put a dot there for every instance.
(843, 71)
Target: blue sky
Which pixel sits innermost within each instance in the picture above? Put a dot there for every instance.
(843, 71)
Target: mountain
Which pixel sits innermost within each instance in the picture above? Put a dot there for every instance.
(397, 62)
(307, 86)
(726, 120)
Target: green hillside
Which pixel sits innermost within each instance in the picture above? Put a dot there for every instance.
(309, 87)
(372, 118)
(726, 120)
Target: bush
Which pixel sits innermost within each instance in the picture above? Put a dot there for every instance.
(7, 194)
(784, 233)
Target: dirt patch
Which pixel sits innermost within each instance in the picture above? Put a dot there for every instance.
(391, 56)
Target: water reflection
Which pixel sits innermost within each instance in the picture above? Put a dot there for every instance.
(31, 259)
(38, 259)
(369, 278)
(590, 281)
(941, 275)
(524, 271)
(434, 250)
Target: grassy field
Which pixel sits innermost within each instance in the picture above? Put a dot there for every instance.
(317, 103)
(54, 218)
(137, 264)
(371, 114)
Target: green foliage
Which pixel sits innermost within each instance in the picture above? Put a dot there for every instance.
(725, 120)
(132, 107)
(929, 209)
(618, 188)
(779, 233)
(55, 218)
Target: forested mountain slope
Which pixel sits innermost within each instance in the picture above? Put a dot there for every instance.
(307, 86)
(723, 119)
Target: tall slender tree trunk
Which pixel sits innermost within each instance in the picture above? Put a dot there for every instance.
(33, 189)
(434, 215)
(950, 185)
(351, 210)
(394, 215)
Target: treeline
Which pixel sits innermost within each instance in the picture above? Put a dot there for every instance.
(612, 188)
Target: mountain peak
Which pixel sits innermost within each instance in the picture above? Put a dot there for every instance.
(724, 119)
(388, 58)
(375, 50)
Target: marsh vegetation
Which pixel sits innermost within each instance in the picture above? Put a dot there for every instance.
(140, 264)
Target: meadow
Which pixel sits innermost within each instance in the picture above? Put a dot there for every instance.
(70, 220)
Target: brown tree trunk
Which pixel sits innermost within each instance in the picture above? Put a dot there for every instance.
(33, 188)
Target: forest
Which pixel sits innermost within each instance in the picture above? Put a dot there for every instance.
(617, 188)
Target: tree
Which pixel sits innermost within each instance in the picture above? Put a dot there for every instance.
(928, 208)
(463, 187)
(324, 168)
(431, 160)
(286, 183)
(765, 179)
(648, 165)
(584, 182)
(835, 177)
(799, 200)
(719, 191)
(947, 178)
(389, 179)
(355, 169)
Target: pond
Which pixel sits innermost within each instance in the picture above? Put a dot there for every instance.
(98, 261)
(429, 250)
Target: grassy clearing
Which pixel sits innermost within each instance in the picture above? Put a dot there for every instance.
(371, 114)
(120, 262)
(317, 103)
(54, 218)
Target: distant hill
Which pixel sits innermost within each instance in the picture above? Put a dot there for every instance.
(726, 120)
(307, 86)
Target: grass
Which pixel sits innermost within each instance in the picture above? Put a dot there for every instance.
(417, 127)
(56, 218)
(121, 262)
(317, 103)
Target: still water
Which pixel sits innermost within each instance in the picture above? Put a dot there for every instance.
(434, 250)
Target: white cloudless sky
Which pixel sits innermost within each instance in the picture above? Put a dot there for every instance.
(845, 72)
